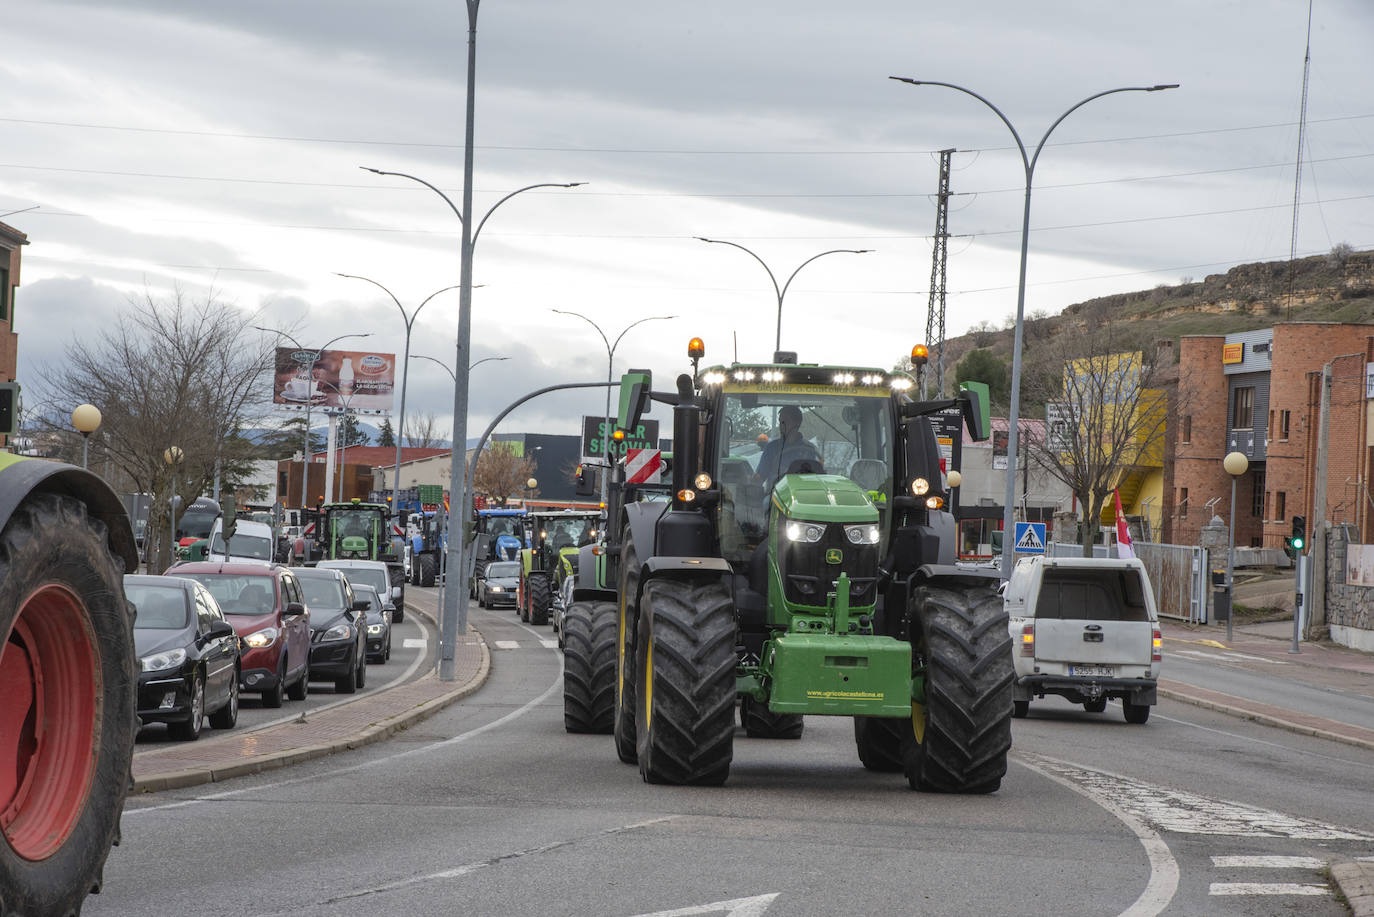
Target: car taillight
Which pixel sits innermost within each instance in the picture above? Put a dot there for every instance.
(1157, 650)
(1028, 639)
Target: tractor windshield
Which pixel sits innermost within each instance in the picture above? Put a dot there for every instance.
(772, 431)
(355, 532)
(504, 525)
(568, 533)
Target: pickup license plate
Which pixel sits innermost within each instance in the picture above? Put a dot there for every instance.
(1105, 671)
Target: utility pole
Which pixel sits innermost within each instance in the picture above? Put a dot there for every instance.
(1316, 614)
(935, 313)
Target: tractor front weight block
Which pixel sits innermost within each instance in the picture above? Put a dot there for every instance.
(835, 675)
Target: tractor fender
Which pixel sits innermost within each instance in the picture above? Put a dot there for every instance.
(21, 476)
(656, 566)
(642, 521)
(967, 576)
(588, 586)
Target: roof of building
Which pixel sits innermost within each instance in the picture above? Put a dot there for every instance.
(382, 455)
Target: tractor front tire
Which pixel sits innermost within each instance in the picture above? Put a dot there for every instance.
(69, 679)
(879, 740)
(589, 668)
(761, 723)
(626, 748)
(427, 571)
(540, 598)
(685, 692)
(960, 735)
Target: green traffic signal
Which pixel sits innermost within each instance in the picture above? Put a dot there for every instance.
(1298, 539)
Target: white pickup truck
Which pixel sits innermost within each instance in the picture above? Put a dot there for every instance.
(1087, 629)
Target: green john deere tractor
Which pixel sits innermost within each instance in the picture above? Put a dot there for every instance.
(803, 563)
(555, 538)
(358, 531)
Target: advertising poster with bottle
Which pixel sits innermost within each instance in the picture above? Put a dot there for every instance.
(363, 381)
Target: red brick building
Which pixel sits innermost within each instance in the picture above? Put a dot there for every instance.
(11, 243)
(1260, 393)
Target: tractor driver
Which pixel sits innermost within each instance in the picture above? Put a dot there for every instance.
(790, 447)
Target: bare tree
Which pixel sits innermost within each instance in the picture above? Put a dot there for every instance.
(1103, 416)
(502, 473)
(422, 431)
(170, 373)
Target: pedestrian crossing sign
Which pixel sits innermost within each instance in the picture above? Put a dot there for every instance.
(1030, 538)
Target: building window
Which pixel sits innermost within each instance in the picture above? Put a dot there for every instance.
(1243, 415)
(1183, 503)
(1283, 424)
(1280, 505)
(1257, 496)
(1187, 428)
(1266, 503)
(4, 292)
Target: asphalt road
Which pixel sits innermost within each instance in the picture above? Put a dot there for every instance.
(490, 807)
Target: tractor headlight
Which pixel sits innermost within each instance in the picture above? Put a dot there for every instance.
(862, 534)
(686, 495)
(935, 502)
(703, 481)
(805, 532)
(159, 662)
(919, 487)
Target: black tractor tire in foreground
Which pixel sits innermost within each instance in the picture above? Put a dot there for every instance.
(959, 634)
(540, 598)
(685, 692)
(589, 667)
(67, 650)
(428, 570)
(761, 723)
(626, 612)
(879, 740)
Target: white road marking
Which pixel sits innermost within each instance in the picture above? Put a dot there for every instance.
(735, 907)
(411, 643)
(549, 644)
(1267, 862)
(507, 644)
(1162, 885)
(1266, 888)
(1214, 656)
(1187, 813)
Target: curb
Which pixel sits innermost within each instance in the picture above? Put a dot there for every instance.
(1246, 713)
(1356, 882)
(384, 728)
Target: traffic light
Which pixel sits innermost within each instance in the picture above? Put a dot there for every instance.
(227, 508)
(586, 483)
(1298, 539)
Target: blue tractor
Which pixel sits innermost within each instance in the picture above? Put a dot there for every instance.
(498, 534)
(426, 540)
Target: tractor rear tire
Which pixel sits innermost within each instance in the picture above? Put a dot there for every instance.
(69, 677)
(589, 668)
(685, 695)
(761, 723)
(626, 747)
(960, 736)
(879, 740)
(427, 570)
(540, 598)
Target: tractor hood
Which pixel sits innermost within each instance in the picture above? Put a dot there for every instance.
(823, 498)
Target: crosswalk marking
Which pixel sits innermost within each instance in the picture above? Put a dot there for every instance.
(508, 644)
(413, 643)
(1268, 862)
(1266, 888)
(549, 644)
(1227, 655)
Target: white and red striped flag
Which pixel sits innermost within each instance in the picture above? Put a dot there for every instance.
(642, 466)
(1124, 548)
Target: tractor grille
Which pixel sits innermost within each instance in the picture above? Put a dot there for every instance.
(807, 576)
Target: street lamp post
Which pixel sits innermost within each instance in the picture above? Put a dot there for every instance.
(309, 401)
(449, 623)
(1008, 524)
(1235, 464)
(610, 374)
(346, 401)
(86, 419)
(781, 292)
(409, 320)
(173, 455)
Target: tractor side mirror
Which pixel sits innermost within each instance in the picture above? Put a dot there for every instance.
(974, 400)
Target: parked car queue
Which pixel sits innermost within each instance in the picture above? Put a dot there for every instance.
(207, 634)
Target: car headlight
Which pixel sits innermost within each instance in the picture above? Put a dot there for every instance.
(265, 637)
(493, 588)
(338, 632)
(862, 534)
(159, 662)
(806, 532)
(375, 629)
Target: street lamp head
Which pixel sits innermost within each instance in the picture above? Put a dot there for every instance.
(86, 418)
(572, 184)
(906, 79)
(172, 455)
(1160, 86)
(1235, 463)
(372, 170)
(532, 483)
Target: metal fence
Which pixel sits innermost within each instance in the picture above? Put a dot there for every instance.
(1178, 575)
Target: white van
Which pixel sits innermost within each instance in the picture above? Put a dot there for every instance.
(1085, 628)
(252, 542)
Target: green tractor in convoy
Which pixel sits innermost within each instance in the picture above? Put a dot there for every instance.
(554, 539)
(802, 563)
(358, 531)
(68, 682)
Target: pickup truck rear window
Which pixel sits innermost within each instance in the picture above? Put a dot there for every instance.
(1092, 595)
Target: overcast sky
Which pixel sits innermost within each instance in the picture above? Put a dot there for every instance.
(217, 147)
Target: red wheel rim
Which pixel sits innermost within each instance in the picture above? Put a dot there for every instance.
(48, 740)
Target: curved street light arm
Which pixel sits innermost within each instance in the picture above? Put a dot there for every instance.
(833, 251)
(609, 352)
(651, 318)
(458, 213)
(478, 231)
(1019, 145)
(776, 289)
(1156, 88)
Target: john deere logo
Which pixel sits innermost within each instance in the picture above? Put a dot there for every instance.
(833, 556)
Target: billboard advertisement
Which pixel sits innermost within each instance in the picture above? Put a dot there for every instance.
(363, 381)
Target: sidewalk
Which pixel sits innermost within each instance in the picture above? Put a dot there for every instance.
(369, 719)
